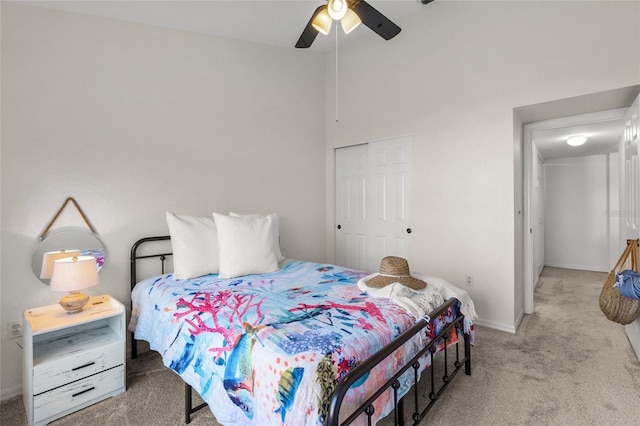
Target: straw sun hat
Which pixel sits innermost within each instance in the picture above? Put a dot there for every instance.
(395, 270)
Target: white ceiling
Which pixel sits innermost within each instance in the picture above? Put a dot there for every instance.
(602, 138)
(270, 22)
(280, 23)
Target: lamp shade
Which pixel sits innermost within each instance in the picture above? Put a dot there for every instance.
(322, 22)
(350, 21)
(51, 256)
(74, 273)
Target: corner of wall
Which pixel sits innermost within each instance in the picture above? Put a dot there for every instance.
(508, 328)
(633, 333)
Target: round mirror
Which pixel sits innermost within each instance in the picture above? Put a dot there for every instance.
(68, 239)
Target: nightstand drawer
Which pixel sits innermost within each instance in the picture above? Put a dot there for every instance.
(81, 393)
(75, 366)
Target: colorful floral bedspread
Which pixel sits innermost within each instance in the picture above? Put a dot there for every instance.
(269, 349)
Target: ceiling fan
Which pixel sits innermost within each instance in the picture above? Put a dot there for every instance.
(350, 13)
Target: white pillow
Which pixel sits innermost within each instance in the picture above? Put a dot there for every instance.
(194, 241)
(245, 245)
(275, 229)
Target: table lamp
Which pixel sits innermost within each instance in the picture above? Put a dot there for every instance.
(73, 274)
(51, 256)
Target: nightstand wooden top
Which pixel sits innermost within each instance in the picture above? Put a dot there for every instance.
(54, 317)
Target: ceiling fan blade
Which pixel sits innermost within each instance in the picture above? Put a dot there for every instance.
(309, 34)
(375, 20)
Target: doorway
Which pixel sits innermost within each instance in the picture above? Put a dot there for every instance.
(545, 141)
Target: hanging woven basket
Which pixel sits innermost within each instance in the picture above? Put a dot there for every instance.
(615, 306)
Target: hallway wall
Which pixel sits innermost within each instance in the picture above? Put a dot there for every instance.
(576, 213)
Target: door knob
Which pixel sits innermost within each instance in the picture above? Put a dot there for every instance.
(408, 230)
(339, 226)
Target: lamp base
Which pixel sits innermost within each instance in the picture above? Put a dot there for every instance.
(74, 302)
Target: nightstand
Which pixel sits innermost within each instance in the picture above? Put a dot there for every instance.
(72, 360)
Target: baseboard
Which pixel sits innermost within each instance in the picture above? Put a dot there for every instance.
(633, 333)
(495, 325)
(519, 319)
(11, 392)
(578, 267)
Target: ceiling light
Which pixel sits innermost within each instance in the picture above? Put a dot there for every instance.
(337, 9)
(576, 140)
(350, 21)
(322, 22)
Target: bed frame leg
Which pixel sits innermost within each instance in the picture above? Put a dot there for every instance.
(467, 354)
(187, 403)
(134, 347)
(401, 412)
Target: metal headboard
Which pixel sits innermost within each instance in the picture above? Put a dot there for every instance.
(134, 273)
(189, 409)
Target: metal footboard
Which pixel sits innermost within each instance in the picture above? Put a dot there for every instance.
(398, 403)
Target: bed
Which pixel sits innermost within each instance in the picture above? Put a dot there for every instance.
(298, 346)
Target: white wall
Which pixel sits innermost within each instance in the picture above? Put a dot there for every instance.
(452, 79)
(134, 120)
(576, 221)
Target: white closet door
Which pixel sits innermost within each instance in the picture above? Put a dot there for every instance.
(389, 176)
(372, 203)
(352, 168)
(630, 196)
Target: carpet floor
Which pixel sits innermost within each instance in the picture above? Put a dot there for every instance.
(566, 365)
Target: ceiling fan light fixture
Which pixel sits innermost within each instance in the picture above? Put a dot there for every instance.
(337, 9)
(350, 13)
(322, 22)
(576, 140)
(350, 21)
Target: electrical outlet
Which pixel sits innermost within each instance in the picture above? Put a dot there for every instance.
(14, 329)
(469, 280)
